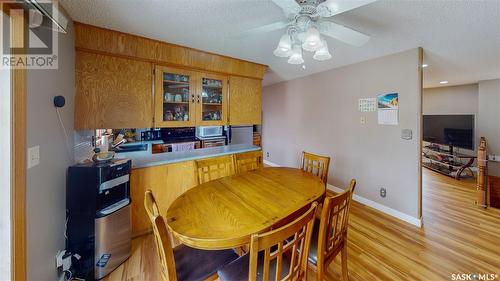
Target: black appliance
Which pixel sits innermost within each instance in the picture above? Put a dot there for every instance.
(451, 130)
(179, 135)
(98, 217)
(173, 135)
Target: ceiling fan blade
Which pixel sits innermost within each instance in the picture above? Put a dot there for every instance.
(261, 29)
(343, 33)
(333, 7)
(289, 7)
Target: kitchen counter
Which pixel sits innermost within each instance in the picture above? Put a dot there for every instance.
(142, 159)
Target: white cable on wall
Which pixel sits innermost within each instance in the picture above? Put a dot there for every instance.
(66, 138)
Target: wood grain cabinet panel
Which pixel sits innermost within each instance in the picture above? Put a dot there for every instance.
(96, 39)
(167, 183)
(112, 92)
(245, 101)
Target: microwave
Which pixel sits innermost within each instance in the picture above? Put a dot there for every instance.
(209, 131)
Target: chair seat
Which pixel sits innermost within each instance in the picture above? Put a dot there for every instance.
(238, 269)
(194, 264)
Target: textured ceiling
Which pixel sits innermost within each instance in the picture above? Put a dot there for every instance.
(461, 39)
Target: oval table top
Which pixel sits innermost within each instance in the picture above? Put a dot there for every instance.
(224, 213)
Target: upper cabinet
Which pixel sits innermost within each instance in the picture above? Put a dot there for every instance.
(175, 97)
(212, 100)
(116, 87)
(188, 98)
(112, 92)
(245, 106)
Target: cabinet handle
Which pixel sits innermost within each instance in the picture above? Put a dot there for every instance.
(192, 98)
(198, 99)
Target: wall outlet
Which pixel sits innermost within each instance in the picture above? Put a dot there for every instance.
(383, 192)
(362, 120)
(33, 156)
(267, 154)
(493, 157)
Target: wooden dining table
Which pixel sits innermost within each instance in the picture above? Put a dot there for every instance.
(224, 213)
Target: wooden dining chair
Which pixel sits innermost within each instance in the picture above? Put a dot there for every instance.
(248, 161)
(316, 164)
(274, 257)
(183, 263)
(330, 234)
(214, 168)
(150, 205)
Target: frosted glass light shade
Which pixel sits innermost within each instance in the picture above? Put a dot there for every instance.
(312, 42)
(284, 48)
(323, 53)
(296, 57)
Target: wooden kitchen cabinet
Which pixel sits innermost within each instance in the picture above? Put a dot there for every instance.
(245, 105)
(175, 97)
(112, 92)
(212, 100)
(116, 87)
(188, 98)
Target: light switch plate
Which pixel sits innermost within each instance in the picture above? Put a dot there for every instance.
(362, 120)
(33, 156)
(406, 134)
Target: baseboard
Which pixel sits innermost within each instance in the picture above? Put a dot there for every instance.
(377, 206)
(269, 163)
(382, 208)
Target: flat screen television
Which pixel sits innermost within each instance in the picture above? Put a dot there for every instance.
(452, 130)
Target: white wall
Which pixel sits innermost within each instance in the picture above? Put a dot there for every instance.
(463, 99)
(318, 113)
(489, 119)
(46, 183)
(5, 178)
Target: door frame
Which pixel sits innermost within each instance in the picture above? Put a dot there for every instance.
(18, 94)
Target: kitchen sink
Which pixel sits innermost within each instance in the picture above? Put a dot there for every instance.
(131, 147)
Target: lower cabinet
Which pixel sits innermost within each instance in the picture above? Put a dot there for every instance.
(167, 183)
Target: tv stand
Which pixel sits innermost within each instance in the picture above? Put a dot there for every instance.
(445, 161)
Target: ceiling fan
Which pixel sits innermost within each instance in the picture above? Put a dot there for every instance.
(306, 21)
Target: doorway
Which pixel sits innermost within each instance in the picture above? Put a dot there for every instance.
(5, 174)
(13, 94)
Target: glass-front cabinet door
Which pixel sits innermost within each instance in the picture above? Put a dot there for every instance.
(175, 97)
(212, 100)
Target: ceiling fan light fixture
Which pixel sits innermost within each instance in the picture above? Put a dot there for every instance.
(284, 48)
(332, 5)
(323, 53)
(296, 57)
(312, 41)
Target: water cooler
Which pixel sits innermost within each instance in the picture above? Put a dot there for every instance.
(98, 213)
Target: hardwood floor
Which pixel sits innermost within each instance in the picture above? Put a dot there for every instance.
(457, 237)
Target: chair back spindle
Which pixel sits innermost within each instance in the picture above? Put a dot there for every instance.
(164, 249)
(316, 164)
(248, 161)
(275, 246)
(333, 226)
(214, 168)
